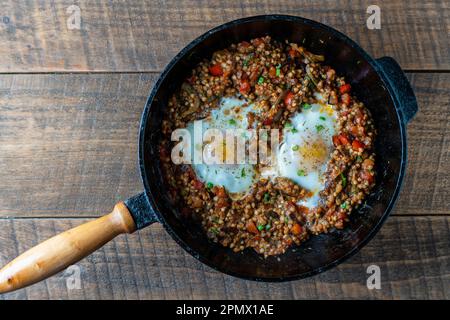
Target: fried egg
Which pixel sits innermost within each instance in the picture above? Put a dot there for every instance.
(306, 149)
(235, 178)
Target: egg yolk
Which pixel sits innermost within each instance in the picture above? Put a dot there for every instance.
(313, 153)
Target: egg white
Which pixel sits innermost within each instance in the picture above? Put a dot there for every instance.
(235, 178)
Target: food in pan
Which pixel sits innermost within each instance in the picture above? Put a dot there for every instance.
(321, 167)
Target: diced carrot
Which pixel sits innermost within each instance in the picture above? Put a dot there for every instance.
(220, 192)
(343, 138)
(357, 130)
(251, 227)
(216, 70)
(272, 72)
(345, 88)
(336, 141)
(244, 88)
(293, 53)
(267, 122)
(296, 229)
(288, 98)
(356, 145)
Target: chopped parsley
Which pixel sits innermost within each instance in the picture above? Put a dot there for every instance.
(243, 173)
(278, 70)
(322, 118)
(319, 127)
(214, 230)
(295, 148)
(247, 59)
(306, 106)
(261, 80)
(290, 126)
(268, 226)
(232, 122)
(343, 179)
(359, 158)
(344, 205)
(266, 197)
(260, 227)
(301, 173)
(209, 185)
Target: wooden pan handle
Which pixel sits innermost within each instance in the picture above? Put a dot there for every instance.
(65, 249)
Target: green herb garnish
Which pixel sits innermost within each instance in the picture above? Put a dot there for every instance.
(344, 205)
(322, 118)
(209, 185)
(306, 106)
(293, 130)
(301, 173)
(214, 230)
(288, 125)
(261, 80)
(278, 70)
(247, 59)
(319, 127)
(260, 227)
(266, 197)
(243, 172)
(295, 148)
(312, 83)
(268, 226)
(232, 122)
(359, 158)
(343, 179)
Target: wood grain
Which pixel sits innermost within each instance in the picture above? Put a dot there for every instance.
(68, 144)
(65, 249)
(413, 254)
(144, 35)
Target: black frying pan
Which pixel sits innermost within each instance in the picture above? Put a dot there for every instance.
(380, 84)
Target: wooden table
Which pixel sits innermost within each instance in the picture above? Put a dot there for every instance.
(70, 102)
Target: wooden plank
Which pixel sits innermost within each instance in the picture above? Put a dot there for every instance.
(68, 144)
(67, 135)
(426, 189)
(144, 35)
(413, 254)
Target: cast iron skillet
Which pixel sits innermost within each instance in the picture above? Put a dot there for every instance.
(379, 83)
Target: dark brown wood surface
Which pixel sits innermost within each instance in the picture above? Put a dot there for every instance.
(412, 253)
(144, 35)
(68, 144)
